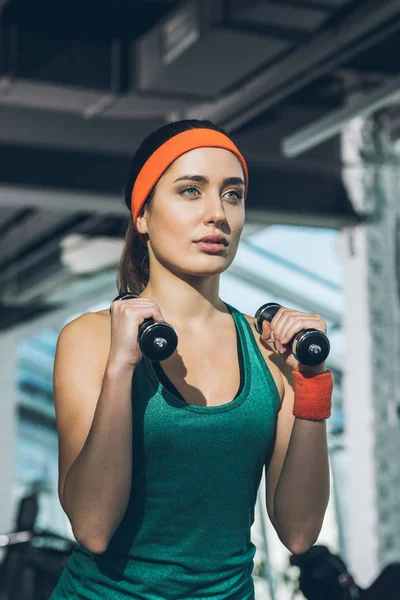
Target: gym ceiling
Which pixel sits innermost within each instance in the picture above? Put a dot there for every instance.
(83, 81)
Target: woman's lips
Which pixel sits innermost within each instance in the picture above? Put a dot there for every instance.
(211, 247)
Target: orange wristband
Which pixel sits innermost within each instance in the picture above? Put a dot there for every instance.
(312, 395)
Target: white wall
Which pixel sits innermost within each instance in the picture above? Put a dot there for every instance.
(8, 401)
(358, 409)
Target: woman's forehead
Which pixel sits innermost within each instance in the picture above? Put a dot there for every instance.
(212, 162)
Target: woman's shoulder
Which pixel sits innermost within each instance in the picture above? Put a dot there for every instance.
(85, 340)
(96, 320)
(92, 326)
(104, 313)
(275, 364)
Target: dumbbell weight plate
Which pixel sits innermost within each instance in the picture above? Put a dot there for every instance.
(157, 341)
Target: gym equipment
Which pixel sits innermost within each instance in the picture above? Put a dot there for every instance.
(309, 346)
(33, 563)
(157, 340)
(325, 575)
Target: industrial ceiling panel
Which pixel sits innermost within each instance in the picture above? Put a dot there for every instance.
(381, 59)
(334, 4)
(36, 94)
(7, 216)
(208, 67)
(272, 13)
(197, 52)
(328, 3)
(145, 106)
(58, 58)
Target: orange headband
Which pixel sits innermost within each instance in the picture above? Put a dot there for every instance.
(165, 155)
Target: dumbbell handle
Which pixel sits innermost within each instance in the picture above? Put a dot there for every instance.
(309, 346)
(157, 340)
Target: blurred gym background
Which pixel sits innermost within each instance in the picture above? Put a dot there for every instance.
(311, 91)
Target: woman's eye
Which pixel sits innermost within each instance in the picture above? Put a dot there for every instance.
(190, 191)
(236, 195)
(232, 194)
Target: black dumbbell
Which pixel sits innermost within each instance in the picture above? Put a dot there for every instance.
(157, 340)
(309, 346)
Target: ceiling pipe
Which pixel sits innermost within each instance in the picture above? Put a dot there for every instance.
(367, 24)
(324, 129)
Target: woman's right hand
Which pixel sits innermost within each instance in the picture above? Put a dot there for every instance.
(126, 317)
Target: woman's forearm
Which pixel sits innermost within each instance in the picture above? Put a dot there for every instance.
(98, 484)
(302, 492)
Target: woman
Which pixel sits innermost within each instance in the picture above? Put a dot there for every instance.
(159, 465)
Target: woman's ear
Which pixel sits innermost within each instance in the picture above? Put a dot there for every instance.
(141, 222)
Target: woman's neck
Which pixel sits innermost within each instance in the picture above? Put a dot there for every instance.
(186, 305)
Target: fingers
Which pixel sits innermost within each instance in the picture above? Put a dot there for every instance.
(138, 304)
(286, 324)
(269, 336)
(296, 324)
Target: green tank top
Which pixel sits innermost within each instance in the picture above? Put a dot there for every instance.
(196, 472)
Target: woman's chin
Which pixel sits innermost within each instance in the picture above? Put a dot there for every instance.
(213, 265)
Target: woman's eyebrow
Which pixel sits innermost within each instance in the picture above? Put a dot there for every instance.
(198, 178)
(203, 179)
(233, 181)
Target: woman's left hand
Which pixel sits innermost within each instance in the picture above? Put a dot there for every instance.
(285, 324)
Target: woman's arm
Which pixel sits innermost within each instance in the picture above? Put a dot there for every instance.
(94, 423)
(297, 477)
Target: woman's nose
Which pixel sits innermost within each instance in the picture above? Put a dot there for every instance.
(214, 210)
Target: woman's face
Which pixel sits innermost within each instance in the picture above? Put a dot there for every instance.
(202, 192)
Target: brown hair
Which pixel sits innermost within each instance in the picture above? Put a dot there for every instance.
(134, 269)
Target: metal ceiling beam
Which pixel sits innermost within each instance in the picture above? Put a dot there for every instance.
(86, 102)
(51, 129)
(369, 23)
(323, 129)
(62, 201)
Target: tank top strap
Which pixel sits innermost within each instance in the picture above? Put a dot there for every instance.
(256, 359)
